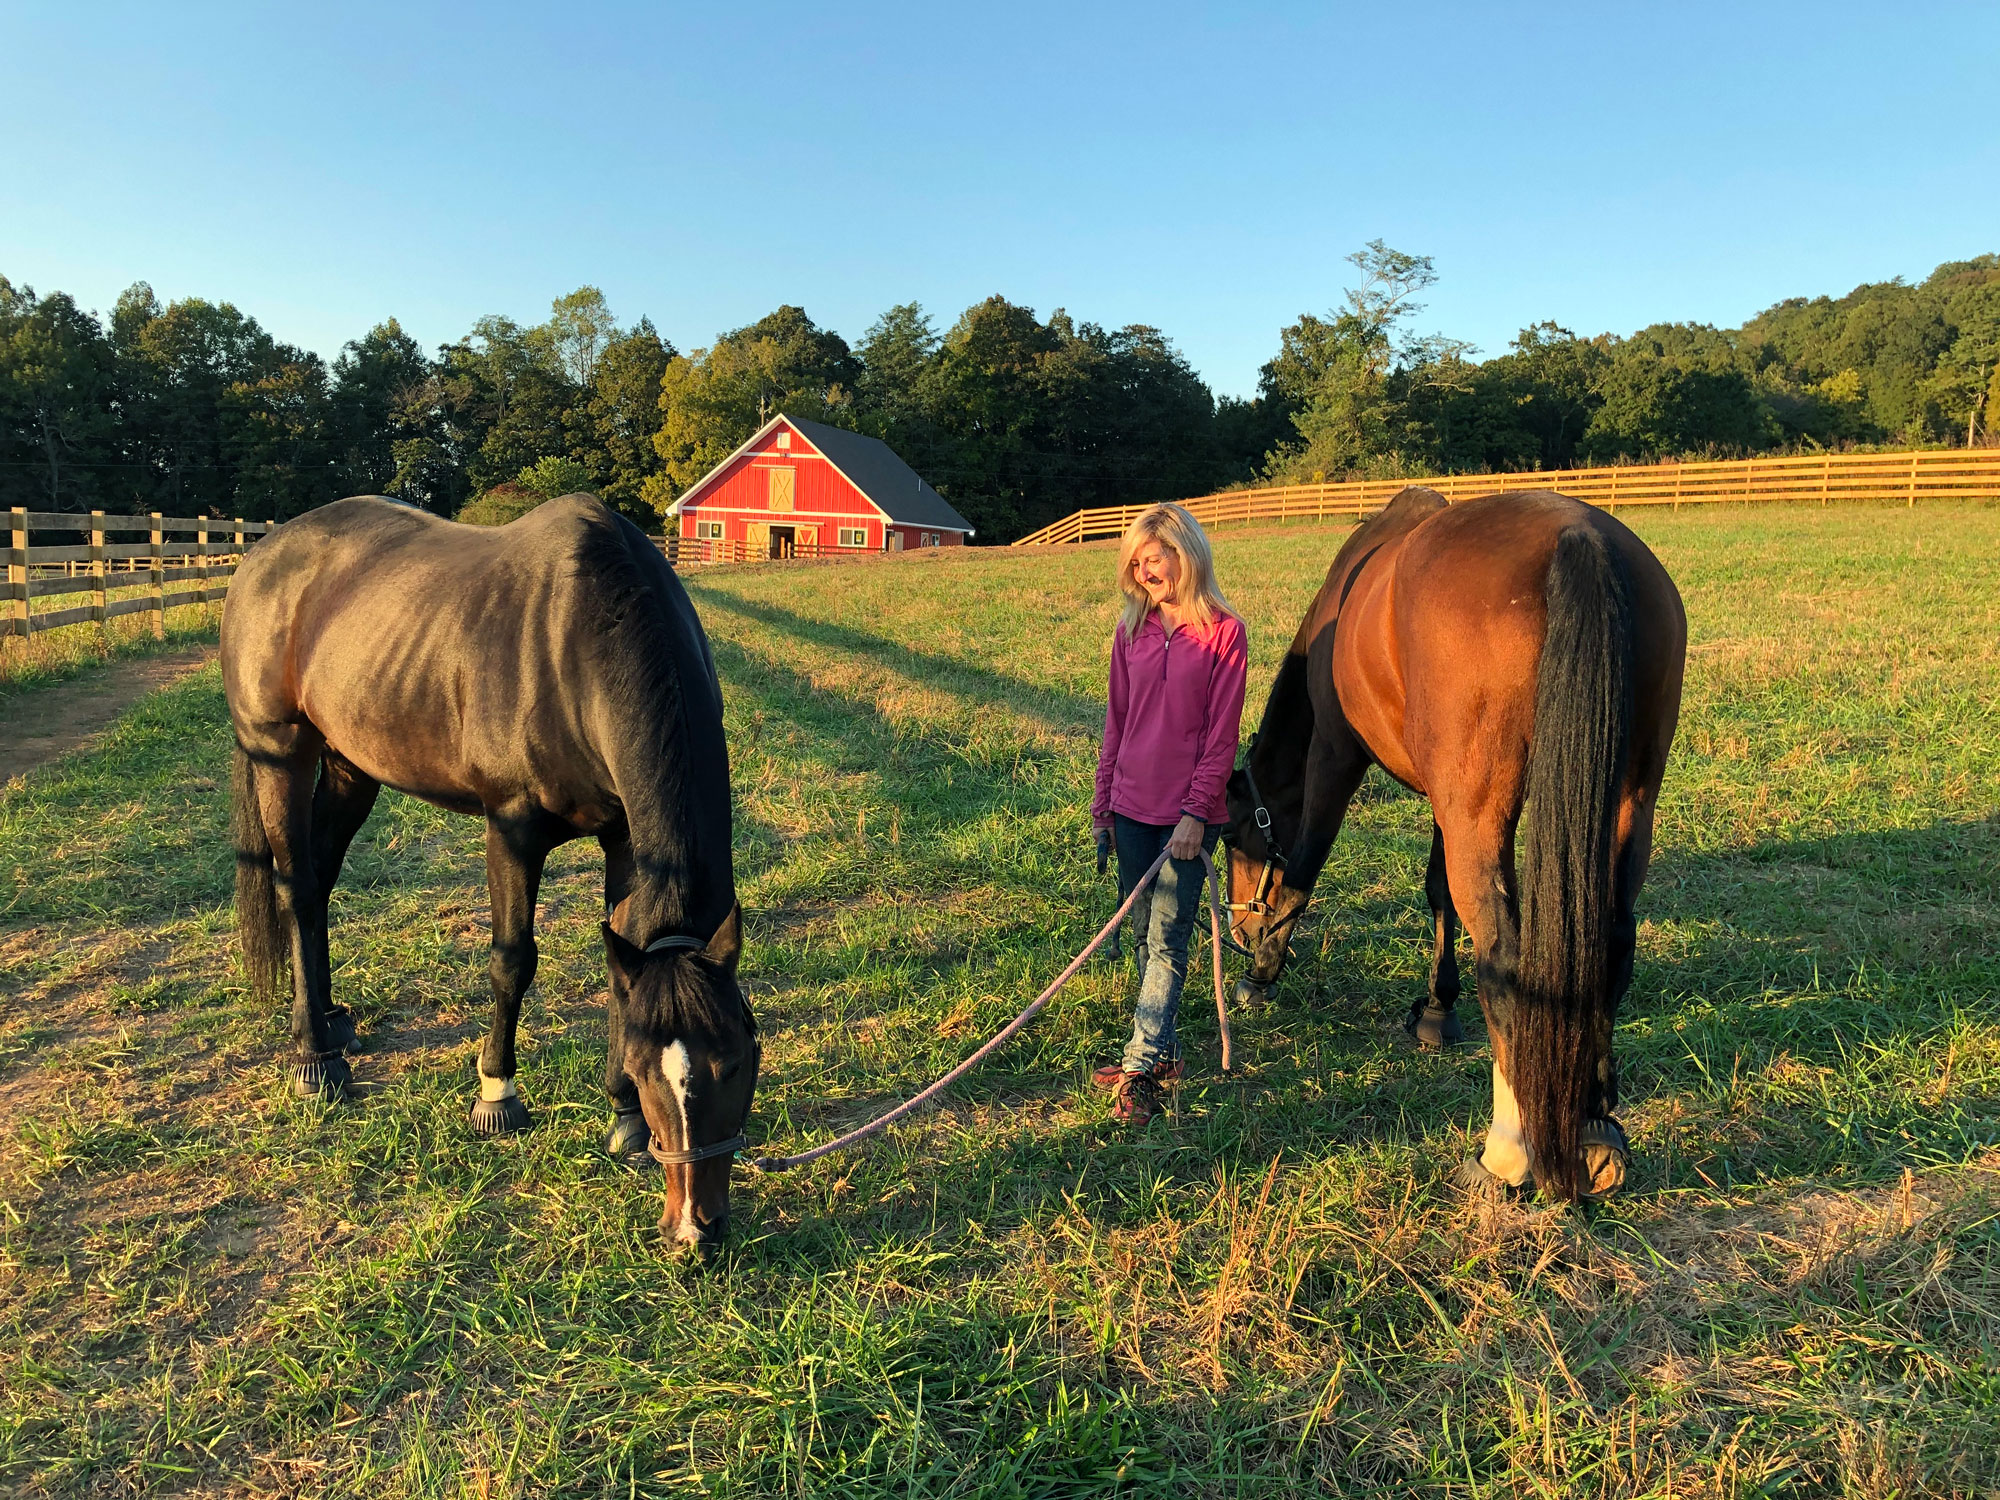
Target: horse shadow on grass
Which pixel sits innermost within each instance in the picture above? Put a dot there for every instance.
(1054, 709)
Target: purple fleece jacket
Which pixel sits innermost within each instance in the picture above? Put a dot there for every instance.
(1170, 728)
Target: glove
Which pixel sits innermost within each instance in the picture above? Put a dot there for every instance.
(1103, 849)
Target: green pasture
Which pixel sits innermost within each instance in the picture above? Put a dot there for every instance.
(207, 1288)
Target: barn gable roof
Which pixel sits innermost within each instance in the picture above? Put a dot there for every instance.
(867, 463)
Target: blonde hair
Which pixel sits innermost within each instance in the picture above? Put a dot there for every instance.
(1195, 592)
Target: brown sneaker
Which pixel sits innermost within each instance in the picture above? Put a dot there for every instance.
(1138, 1100)
(1109, 1076)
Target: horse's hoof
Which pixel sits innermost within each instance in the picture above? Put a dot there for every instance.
(628, 1135)
(340, 1030)
(499, 1116)
(1252, 996)
(1472, 1178)
(1606, 1157)
(325, 1077)
(1433, 1027)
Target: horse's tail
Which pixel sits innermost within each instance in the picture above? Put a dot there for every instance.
(257, 930)
(1561, 1030)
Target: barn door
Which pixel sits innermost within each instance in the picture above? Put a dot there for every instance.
(756, 539)
(895, 541)
(784, 488)
(808, 541)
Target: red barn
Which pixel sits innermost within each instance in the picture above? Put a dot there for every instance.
(803, 487)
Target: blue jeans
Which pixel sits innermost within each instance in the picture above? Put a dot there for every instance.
(1163, 920)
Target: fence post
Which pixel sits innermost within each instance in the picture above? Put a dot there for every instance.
(157, 544)
(17, 572)
(1825, 477)
(236, 556)
(1913, 481)
(201, 560)
(97, 567)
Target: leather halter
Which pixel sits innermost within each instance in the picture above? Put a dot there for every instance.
(675, 940)
(699, 1153)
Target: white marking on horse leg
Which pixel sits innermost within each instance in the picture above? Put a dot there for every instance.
(676, 1065)
(1506, 1153)
(493, 1090)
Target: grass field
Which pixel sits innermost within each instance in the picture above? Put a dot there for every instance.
(207, 1288)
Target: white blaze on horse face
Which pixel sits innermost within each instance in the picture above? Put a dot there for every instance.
(677, 1066)
(493, 1090)
(1506, 1153)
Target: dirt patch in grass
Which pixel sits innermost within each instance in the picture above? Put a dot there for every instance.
(42, 725)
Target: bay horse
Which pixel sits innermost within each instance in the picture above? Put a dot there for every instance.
(1517, 660)
(551, 676)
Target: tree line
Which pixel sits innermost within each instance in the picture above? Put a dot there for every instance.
(193, 408)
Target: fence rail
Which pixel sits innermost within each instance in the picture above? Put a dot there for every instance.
(699, 552)
(117, 578)
(1929, 474)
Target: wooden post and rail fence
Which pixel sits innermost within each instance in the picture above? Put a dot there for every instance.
(121, 577)
(116, 577)
(1813, 479)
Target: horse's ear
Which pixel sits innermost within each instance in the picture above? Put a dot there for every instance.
(727, 945)
(624, 959)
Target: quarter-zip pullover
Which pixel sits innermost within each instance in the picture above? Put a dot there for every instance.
(1171, 723)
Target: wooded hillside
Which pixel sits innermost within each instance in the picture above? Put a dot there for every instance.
(194, 407)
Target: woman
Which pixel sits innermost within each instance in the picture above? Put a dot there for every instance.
(1178, 662)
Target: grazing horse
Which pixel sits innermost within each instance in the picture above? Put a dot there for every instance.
(550, 676)
(1516, 659)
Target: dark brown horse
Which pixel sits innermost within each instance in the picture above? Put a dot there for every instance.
(551, 677)
(1516, 659)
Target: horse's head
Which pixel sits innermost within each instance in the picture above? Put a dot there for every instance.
(690, 1046)
(1262, 907)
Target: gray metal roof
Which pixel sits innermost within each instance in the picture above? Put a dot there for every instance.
(879, 473)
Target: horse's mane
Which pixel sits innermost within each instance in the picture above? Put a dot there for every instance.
(633, 637)
(631, 621)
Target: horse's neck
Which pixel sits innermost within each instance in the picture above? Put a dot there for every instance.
(1284, 736)
(682, 878)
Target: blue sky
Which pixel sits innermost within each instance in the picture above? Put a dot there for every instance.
(1200, 169)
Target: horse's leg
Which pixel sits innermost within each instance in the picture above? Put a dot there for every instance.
(1606, 1154)
(515, 855)
(341, 804)
(1479, 873)
(629, 1131)
(285, 795)
(1434, 1022)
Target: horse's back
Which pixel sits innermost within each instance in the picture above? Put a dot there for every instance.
(1441, 641)
(448, 660)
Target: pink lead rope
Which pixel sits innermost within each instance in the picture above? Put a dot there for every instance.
(1006, 1033)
